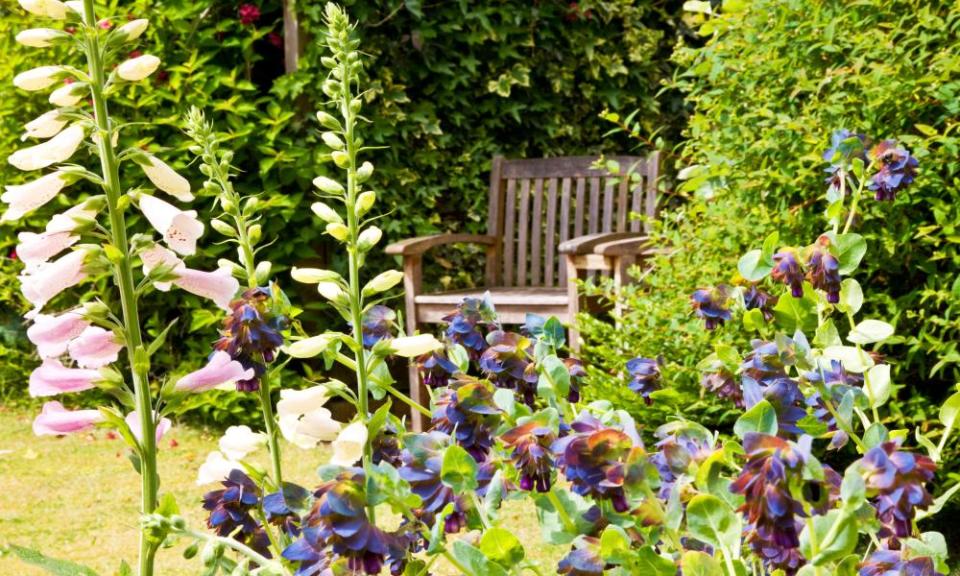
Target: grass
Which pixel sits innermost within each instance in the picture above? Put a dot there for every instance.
(77, 497)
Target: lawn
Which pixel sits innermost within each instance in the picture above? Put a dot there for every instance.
(77, 497)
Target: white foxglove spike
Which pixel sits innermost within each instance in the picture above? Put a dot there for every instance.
(133, 29)
(24, 198)
(49, 8)
(166, 178)
(180, 229)
(136, 69)
(46, 125)
(39, 37)
(38, 78)
(55, 150)
(69, 94)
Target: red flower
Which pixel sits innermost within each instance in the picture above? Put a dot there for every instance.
(275, 39)
(249, 14)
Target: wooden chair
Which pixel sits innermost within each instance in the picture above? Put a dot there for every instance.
(550, 221)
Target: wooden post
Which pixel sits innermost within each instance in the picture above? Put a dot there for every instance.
(412, 281)
(291, 36)
(574, 301)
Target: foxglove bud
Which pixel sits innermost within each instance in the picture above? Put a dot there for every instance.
(341, 159)
(38, 78)
(136, 69)
(413, 346)
(262, 271)
(326, 213)
(310, 347)
(332, 140)
(364, 172)
(331, 291)
(338, 231)
(369, 238)
(328, 121)
(365, 202)
(329, 62)
(328, 185)
(68, 95)
(49, 8)
(254, 234)
(313, 275)
(331, 88)
(383, 282)
(133, 29)
(39, 37)
(223, 228)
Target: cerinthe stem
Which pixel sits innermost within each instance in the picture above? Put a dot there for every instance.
(123, 276)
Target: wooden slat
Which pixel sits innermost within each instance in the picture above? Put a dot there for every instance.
(536, 233)
(652, 174)
(594, 208)
(509, 232)
(523, 225)
(608, 205)
(580, 214)
(495, 206)
(563, 167)
(623, 203)
(550, 248)
(636, 203)
(564, 222)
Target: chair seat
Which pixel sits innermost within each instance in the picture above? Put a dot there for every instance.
(512, 304)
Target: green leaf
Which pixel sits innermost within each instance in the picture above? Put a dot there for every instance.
(843, 537)
(870, 332)
(875, 435)
(51, 565)
(853, 490)
(459, 470)
(614, 545)
(769, 248)
(160, 339)
(938, 503)
(761, 418)
(850, 251)
(877, 385)
(557, 375)
(851, 296)
(554, 332)
(827, 335)
(950, 411)
(792, 314)
(501, 546)
(752, 267)
(695, 563)
(648, 562)
(553, 527)
(753, 320)
(474, 560)
(713, 521)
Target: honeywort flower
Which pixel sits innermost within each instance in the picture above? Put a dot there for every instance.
(823, 269)
(41, 284)
(51, 334)
(180, 229)
(136, 69)
(348, 447)
(754, 298)
(377, 324)
(385, 446)
(469, 324)
(252, 334)
(48, 8)
(841, 144)
(724, 384)
(220, 370)
(413, 346)
(787, 400)
(772, 513)
(238, 441)
(216, 468)
(68, 95)
(35, 249)
(837, 382)
(46, 125)
(38, 78)
(577, 372)
(166, 178)
(133, 421)
(230, 511)
(422, 459)
(531, 454)
(581, 562)
(436, 369)
(55, 150)
(25, 198)
(52, 378)
(896, 169)
(94, 348)
(712, 305)
(764, 364)
(644, 377)
(303, 419)
(678, 448)
(507, 362)
(337, 524)
(595, 459)
(786, 269)
(895, 482)
(897, 563)
(55, 420)
(467, 412)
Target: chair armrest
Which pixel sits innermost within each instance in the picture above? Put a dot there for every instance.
(625, 247)
(586, 244)
(419, 245)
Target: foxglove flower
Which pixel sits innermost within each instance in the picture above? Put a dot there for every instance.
(772, 513)
(436, 369)
(531, 454)
(52, 334)
(230, 511)
(38, 78)
(644, 377)
(823, 270)
(756, 299)
(723, 383)
(220, 370)
(180, 229)
(133, 422)
(219, 286)
(595, 459)
(133, 29)
(897, 563)
(508, 364)
(239, 441)
(349, 445)
(69, 94)
(337, 525)
(137, 69)
(25, 198)
(896, 482)
(47, 125)
(94, 348)
(303, 419)
(52, 378)
(252, 333)
(467, 412)
(422, 462)
(35, 249)
(55, 150)
(896, 169)
(47, 8)
(470, 323)
(787, 269)
(166, 178)
(216, 468)
(46, 281)
(55, 420)
(712, 305)
(413, 346)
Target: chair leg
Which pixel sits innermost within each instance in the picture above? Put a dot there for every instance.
(621, 277)
(573, 305)
(412, 283)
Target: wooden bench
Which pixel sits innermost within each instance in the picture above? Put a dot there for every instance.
(550, 221)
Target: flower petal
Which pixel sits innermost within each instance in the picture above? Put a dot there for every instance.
(221, 369)
(51, 334)
(55, 420)
(55, 150)
(95, 348)
(52, 378)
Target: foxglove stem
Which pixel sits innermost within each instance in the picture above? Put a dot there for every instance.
(123, 275)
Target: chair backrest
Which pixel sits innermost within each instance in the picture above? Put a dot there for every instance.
(536, 204)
